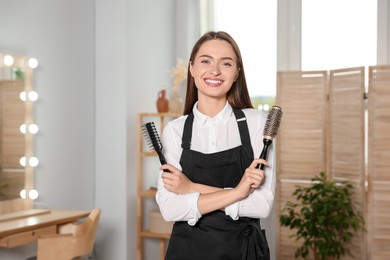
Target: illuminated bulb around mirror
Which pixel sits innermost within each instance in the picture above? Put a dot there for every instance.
(33, 96)
(33, 129)
(33, 161)
(22, 161)
(33, 194)
(23, 129)
(8, 60)
(23, 194)
(33, 63)
(23, 95)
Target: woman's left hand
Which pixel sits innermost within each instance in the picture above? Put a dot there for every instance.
(252, 178)
(175, 181)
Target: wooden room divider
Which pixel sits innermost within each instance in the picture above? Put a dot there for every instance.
(378, 171)
(301, 141)
(322, 131)
(346, 150)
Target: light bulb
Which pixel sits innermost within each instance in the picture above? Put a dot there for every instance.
(33, 161)
(8, 60)
(33, 63)
(33, 194)
(23, 129)
(266, 107)
(33, 129)
(23, 194)
(33, 96)
(22, 96)
(22, 161)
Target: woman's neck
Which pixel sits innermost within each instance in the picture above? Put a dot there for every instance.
(211, 107)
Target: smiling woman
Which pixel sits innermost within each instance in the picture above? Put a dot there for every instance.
(16, 133)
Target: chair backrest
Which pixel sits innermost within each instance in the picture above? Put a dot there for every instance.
(77, 242)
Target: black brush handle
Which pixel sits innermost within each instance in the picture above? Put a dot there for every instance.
(267, 143)
(162, 159)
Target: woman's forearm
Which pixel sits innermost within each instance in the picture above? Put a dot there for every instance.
(217, 200)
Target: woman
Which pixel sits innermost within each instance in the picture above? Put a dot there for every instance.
(214, 191)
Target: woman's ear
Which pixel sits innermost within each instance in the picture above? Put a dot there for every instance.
(237, 74)
(190, 65)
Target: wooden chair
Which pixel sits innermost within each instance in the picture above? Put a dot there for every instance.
(72, 242)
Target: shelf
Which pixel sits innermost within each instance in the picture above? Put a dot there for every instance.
(147, 233)
(148, 154)
(153, 114)
(148, 194)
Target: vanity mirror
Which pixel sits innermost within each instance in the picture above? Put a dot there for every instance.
(17, 131)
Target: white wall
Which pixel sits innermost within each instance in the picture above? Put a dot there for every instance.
(101, 62)
(60, 34)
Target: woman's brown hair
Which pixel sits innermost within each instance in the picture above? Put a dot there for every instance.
(238, 95)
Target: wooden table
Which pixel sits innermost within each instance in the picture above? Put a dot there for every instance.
(24, 227)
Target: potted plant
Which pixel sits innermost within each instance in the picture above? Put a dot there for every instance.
(323, 217)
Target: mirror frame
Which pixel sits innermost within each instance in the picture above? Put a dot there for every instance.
(21, 62)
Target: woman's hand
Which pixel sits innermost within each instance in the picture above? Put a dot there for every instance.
(175, 181)
(252, 178)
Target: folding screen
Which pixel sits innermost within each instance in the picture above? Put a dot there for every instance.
(379, 163)
(346, 160)
(322, 131)
(301, 140)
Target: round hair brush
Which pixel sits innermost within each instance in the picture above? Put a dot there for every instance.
(270, 130)
(153, 141)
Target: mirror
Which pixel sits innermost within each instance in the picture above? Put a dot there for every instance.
(17, 129)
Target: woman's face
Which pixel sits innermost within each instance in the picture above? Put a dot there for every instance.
(214, 69)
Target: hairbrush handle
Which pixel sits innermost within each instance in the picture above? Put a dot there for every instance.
(162, 159)
(267, 143)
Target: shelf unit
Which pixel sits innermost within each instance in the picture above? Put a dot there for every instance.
(144, 192)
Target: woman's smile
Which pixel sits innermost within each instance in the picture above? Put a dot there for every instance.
(211, 82)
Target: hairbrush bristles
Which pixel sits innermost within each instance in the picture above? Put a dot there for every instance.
(270, 130)
(153, 140)
(273, 121)
(151, 136)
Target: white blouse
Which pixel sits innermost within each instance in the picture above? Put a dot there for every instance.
(211, 135)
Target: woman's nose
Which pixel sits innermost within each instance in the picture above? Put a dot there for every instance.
(215, 70)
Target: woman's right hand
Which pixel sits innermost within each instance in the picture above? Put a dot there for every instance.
(175, 181)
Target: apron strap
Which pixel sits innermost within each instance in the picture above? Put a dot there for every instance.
(244, 132)
(187, 132)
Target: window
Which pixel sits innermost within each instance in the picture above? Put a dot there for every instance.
(338, 34)
(252, 24)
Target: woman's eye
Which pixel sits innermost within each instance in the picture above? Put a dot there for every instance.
(227, 64)
(205, 61)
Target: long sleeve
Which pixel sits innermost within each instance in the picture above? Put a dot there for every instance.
(259, 203)
(175, 207)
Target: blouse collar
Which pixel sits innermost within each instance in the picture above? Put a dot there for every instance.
(204, 120)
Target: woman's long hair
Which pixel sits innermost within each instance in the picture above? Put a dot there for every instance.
(238, 95)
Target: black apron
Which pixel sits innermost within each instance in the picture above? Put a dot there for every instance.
(217, 236)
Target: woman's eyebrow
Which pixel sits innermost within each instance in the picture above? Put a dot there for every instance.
(208, 56)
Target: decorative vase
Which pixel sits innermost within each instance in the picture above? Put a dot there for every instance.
(162, 102)
(176, 103)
